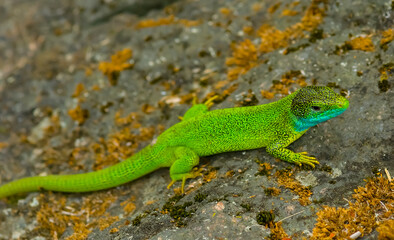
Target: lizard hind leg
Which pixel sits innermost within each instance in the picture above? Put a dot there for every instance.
(182, 167)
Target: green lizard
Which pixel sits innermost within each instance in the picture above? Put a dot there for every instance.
(201, 133)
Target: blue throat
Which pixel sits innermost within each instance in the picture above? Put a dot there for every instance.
(302, 124)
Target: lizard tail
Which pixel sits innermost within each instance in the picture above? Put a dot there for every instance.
(141, 163)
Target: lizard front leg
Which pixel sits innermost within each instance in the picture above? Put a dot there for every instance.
(198, 109)
(277, 149)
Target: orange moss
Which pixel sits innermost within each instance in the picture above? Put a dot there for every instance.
(373, 205)
(385, 230)
(126, 223)
(272, 9)
(267, 94)
(151, 202)
(55, 214)
(166, 21)
(3, 145)
(272, 191)
(50, 216)
(312, 18)
(244, 57)
(212, 174)
(245, 53)
(285, 178)
(81, 231)
(79, 89)
(385, 72)
(256, 7)
(361, 43)
(336, 222)
(78, 114)
(128, 205)
(282, 86)
(106, 221)
(230, 173)
(229, 90)
(226, 11)
(123, 143)
(226, 92)
(387, 37)
(272, 38)
(155, 23)
(265, 169)
(248, 30)
(97, 204)
(146, 108)
(294, 4)
(131, 119)
(277, 232)
(78, 154)
(120, 145)
(146, 133)
(288, 12)
(189, 23)
(287, 79)
(221, 84)
(119, 62)
(168, 84)
(88, 71)
(96, 87)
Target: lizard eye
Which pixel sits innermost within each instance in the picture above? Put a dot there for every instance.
(316, 108)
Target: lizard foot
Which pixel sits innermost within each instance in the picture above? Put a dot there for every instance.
(209, 102)
(305, 159)
(193, 174)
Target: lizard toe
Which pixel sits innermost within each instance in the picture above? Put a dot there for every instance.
(305, 159)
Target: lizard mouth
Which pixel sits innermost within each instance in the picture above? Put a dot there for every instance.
(344, 104)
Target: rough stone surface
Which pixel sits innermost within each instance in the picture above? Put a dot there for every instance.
(45, 47)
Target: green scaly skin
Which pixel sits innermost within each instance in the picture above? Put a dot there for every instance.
(202, 133)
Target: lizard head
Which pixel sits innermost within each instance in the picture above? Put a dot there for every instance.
(315, 104)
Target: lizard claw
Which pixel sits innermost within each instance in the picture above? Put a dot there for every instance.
(305, 159)
(193, 174)
(171, 183)
(195, 100)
